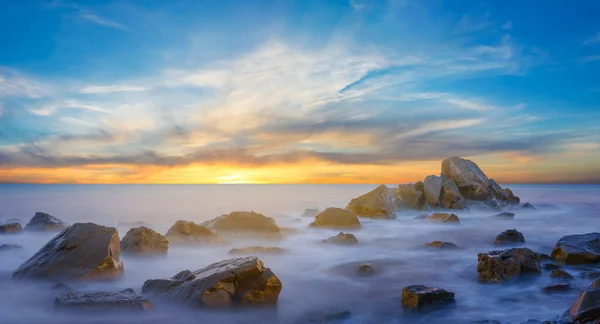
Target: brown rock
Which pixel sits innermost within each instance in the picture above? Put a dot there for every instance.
(497, 266)
(511, 199)
(144, 241)
(468, 177)
(378, 203)
(578, 249)
(586, 309)
(336, 218)
(366, 269)
(561, 274)
(451, 197)
(12, 228)
(342, 238)
(258, 250)
(123, 300)
(241, 223)
(442, 218)
(417, 296)
(185, 232)
(442, 245)
(45, 222)
(411, 196)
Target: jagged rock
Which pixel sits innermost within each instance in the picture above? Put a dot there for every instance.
(9, 247)
(336, 218)
(417, 296)
(442, 245)
(258, 250)
(442, 218)
(378, 203)
(505, 215)
(185, 232)
(561, 274)
(451, 197)
(497, 266)
(45, 222)
(586, 309)
(432, 187)
(330, 317)
(578, 249)
(557, 288)
(411, 196)
(551, 266)
(144, 241)
(511, 199)
(82, 251)
(123, 300)
(342, 238)
(240, 281)
(12, 228)
(510, 236)
(366, 269)
(528, 206)
(310, 212)
(472, 183)
(496, 191)
(241, 223)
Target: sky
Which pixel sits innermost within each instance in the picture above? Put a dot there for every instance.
(346, 91)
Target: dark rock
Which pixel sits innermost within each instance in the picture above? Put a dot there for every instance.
(422, 217)
(418, 296)
(310, 212)
(144, 241)
(378, 203)
(544, 256)
(336, 218)
(82, 251)
(442, 218)
(450, 196)
(61, 287)
(551, 266)
(10, 247)
(342, 238)
(366, 269)
(505, 215)
(257, 250)
(12, 228)
(590, 275)
(586, 309)
(527, 206)
(241, 223)
(185, 232)
(411, 196)
(240, 281)
(442, 245)
(330, 317)
(557, 273)
(578, 249)
(123, 300)
(45, 222)
(497, 266)
(511, 236)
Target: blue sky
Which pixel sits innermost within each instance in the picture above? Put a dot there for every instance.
(122, 90)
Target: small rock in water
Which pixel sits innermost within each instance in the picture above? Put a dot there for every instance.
(418, 296)
(560, 274)
(190, 233)
(342, 238)
(258, 250)
(245, 224)
(123, 300)
(511, 236)
(442, 218)
(442, 245)
(505, 215)
(12, 228)
(366, 269)
(527, 206)
(45, 222)
(551, 266)
(9, 247)
(330, 317)
(557, 288)
(422, 217)
(144, 241)
(497, 266)
(333, 217)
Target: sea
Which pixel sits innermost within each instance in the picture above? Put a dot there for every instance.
(318, 279)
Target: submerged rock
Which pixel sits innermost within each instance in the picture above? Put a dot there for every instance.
(510, 236)
(240, 281)
(578, 249)
(123, 300)
(528, 206)
(144, 241)
(551, 266)
(586, 309)
(561, 274)
(442, 245)
(378, 203)
(258, 250)
(505, 215)
(336, 218)
(310, 212)
(442, 218)
(561, 287)
(45, 222)
(366, 269)
(418, 296)
(82, 251)
(497, 266)
(242, 223)
(12, 228)
(342, 238)
(411, 196)
(325, 317)
(185, 232)
(9, 247)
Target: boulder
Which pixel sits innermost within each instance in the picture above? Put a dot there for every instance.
(442, 218)
(450, 196)
(82, 251)
(527, 206)
(185, 232)
(325, 317)
(4, 247)
(411, 196)
(497, 266)
(505, 215)
(258, 250)
(144, 241)
(366, 269)
(511, 199)
(496, 191)
(551, 266)
(578, 249)
(432, 188)
(333, 217)
(510, 236)
(472, 183)
(560, 274)
(241, 223)
(310, 212)
(342, 238)
(12, 228)
(442, 245)
(100, 301)
(378, 203)
(561, 287)
(418, 296)
(586, 309)
(240, 281)
(45, 222)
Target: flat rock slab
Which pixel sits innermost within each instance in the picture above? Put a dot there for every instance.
(418, 296)
(578, 249)
(123, 300)
(45, 223)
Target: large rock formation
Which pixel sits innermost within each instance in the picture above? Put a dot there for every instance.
(578, 249)
(497, 266)
(378, 203)
(45, 222)
(144, 241)
(510, 236)
(333, 217)
(240, 281)
(185, 232)
(12, 228)
(253, 250)
(241, 223)
(124, 300)
(586, 309)
(83, 251)
(342, 239)
(418, 296)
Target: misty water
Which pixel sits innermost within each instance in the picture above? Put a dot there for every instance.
(316, 277)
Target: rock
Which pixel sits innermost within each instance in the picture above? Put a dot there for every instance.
(505, 215)
(411, 196)
(510, 236)
(442, 245)
(557, 273)
(82, 251)
(336, 218)
(511, 199)
(586, 309)
(45, 222)
(590, 275)
(432, 187)
(421, 217)
(241, 223)
(258, 250)
(310, 212)
(527, 206)
(61, 287)
(496, 191)
(240, 281)
(472, 183)
(578, 249)
(144, 241)
(342, 238)
(12, 228)
(451, 197)
(551, 266)
(544, 256)
(442, 218)
(9, 247)
(557, 288)
(330, 317)
(417, 296)
(378, 203)
(366, 269)
(134, 224)
(185, 232)
(123, 300)
(497, 266)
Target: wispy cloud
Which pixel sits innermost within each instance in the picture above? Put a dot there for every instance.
(588, 59)
(592, 40)
(94, 18)
(507, 25)
(15, 84)
(92, 89)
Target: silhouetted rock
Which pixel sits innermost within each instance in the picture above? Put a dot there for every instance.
(240, 281)
(510, 236)
(561, 287)
(378, 203)
(505, 215)
(310, 212)
(442, 218)
(411, 196)
(442, 245)
(366, 269)
(561, 274)
(45, 222)
(241, 223)
(336, 218)
(12, 228)
(586, 309)
(144, 241)
(4, 247)
(123, 300)
(82, 251)
(418, 296)
(252, 250)
(578, 249)
(497, 266)
(185, 232)
(342, 238)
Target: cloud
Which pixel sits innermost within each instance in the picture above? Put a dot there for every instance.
(91, 89)
(592, 40)
(588, 59)
(15, 84)
(507, 25)
(50, 109)
(91, 17)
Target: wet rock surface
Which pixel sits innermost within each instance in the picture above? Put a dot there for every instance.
(101, 301)
(190, 233)
(586, 309)
(342, 239)
(242, 223)
(336, 218)
(510, 236)
(578, 249)
(560, 274)
(144, 241)
(416, 297)
(45, 222)
(378, 203)
(500, 265)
